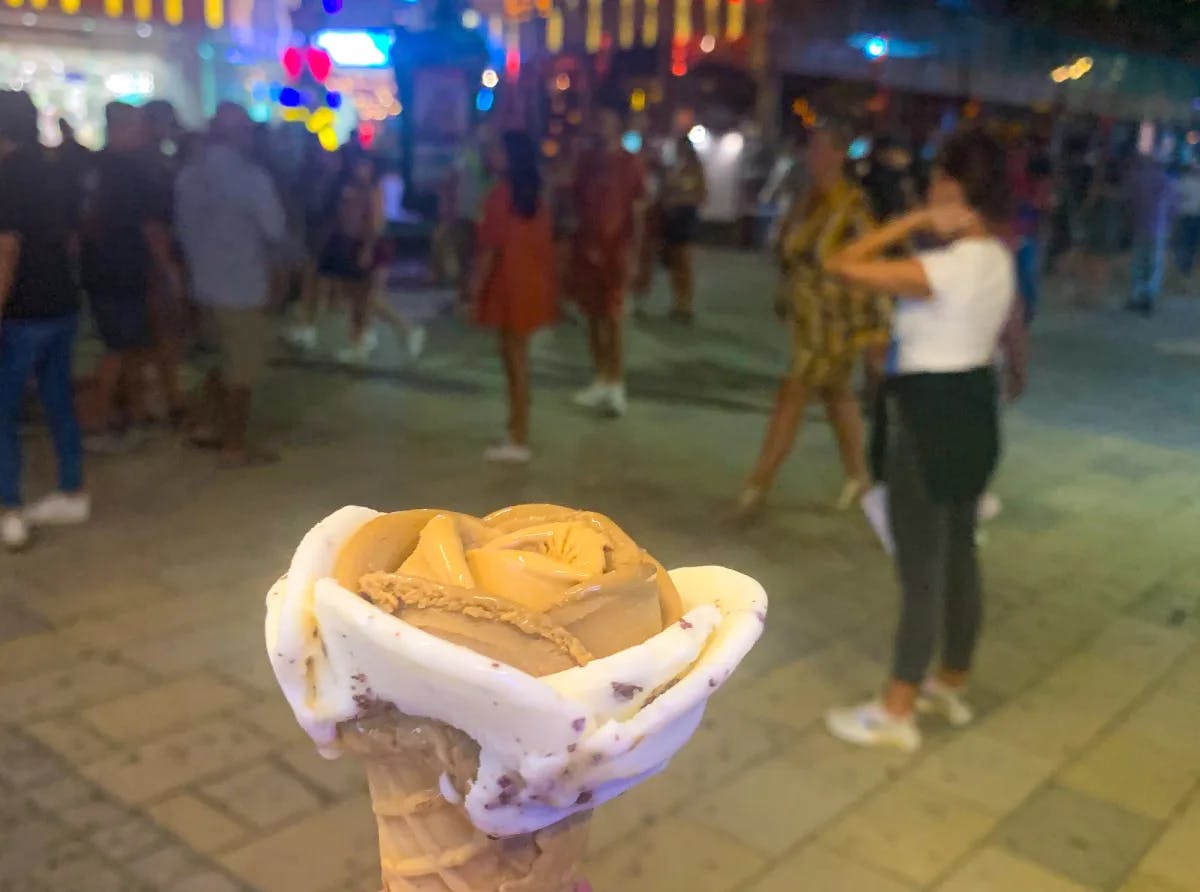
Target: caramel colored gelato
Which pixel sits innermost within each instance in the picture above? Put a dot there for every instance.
(499, 677)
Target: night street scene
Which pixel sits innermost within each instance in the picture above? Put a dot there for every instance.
(599, 446)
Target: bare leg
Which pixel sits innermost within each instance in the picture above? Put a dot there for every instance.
(108, 379)
(682, 284)
(844, 416)
(358, 293)
(781, 432)
(613, 371)
(598, 344)
(514, 350)
(900, 698)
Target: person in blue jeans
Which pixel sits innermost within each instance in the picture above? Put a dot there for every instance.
(39, 305)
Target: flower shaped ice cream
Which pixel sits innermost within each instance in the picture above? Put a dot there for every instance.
(573, 659)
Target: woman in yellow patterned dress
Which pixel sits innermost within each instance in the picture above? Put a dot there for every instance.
(832, 324)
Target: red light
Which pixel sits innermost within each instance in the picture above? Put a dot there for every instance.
(366, 134)
(679, 69)
(512, 64)
(319, 63)
(293, 62)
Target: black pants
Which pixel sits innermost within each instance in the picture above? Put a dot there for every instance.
(936, 564)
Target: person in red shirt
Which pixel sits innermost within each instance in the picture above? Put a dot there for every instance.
(513, 283)
(609, 193)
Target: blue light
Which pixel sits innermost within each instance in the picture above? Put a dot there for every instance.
(332, 6)
(333, 99)
(860, 148)
(289, 97)
(484, 100)
(260, 92)
(276, 91)
(876, 47)
(632, 141)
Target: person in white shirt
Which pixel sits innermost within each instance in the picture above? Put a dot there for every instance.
(943, 435)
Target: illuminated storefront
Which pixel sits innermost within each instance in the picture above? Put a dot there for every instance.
(75, 56)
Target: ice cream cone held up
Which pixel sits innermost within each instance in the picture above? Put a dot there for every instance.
(499, 678)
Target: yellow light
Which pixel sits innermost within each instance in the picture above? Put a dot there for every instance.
(626, 32)
(114, 9)
(1085, 64)
(1060, 74)
(712, 17)
(70, 7)
(295, 115)
(562, 83)
(14, 3)
(173, 11)
(214, 13)
(683, 21)
(650, 24)
(735, 19)
(554, 30)
(142, 9)
(328, 139)
(550, 148)
(595, 25)
(544, 7)
(637, 100)
(39, 4)
(319, 120)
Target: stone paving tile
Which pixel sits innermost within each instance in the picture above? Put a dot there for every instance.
(176, 760)
(128, 839)
(262, 795)
(338, 778)
(817, 867)
(995, 869)
(674, 856)
(166, 866)
(74, 741)
(1087, 840)
(82, 870)
(1141, 882)
(207, 881)
(910, 829)
(988, 772)
(774, 805)
(193, 649)
(197, 823)
(1175, 858)
(161, 708)
(344, 835)
(66, 688)
(1135, 771)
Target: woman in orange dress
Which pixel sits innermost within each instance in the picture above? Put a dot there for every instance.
(513, 283)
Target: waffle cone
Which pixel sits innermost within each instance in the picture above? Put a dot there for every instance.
(426, 842)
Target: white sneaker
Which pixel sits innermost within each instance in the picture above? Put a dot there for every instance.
(302, 337)
(60, 509)
(869, 724)
(14, 531)
(359, 352)
(508, 453)
(615, 402)
(938, 697)
(989, 507)
(593, 396)
(416, 341)
(874, 503)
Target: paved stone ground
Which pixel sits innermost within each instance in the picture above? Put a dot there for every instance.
(143, 744)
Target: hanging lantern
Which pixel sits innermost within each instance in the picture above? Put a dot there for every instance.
(114, 9)
(328, 139)
(143, 10)
(214, 13)
(625, 26)
(554, 30)
(650, 24)
(735, 20)
(595, 26)
(172, 11)
(512, 52)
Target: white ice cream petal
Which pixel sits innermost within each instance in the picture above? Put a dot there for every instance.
(549, 746)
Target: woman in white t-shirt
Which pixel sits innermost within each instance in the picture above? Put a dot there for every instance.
(943, 437)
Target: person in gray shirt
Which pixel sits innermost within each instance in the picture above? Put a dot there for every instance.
(230, 223)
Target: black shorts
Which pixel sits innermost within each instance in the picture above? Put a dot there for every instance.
(123, 321)
(340, 259)
(679, 226)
